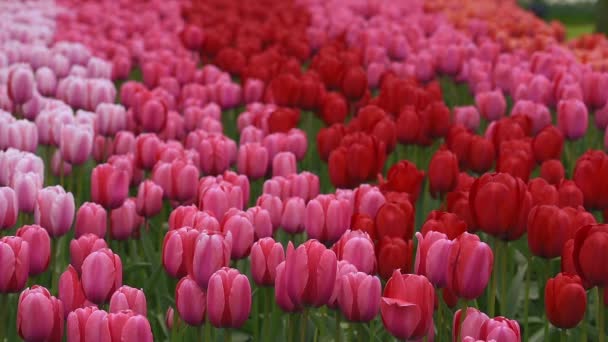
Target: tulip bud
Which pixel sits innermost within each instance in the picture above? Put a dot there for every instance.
(15, 253)
(40, 247)
(266, 255)
(129, 298)
(48, 310)
(9, 208)
(101, 275)
(149, 199)
(90, 218)
(359, 297)
(228, 298)
(54, 210)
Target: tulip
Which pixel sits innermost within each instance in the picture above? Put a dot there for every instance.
(9, 208)
(15, 256)
(110, 119)
(328, 139)
(457, 202)
(190, 301)
(359, 297)
(48, 310)
(311, 284)
(393, 254)
(46, 81)
(548, 230)
(22, 135)
(492, 104)
(588, 177)
(40, 247)
(538, 113)
(26, 186)
(334, 108)
(91, 317)
(590, 254)
(294, 216)
(109, 186)
(252, 160)
(177, 179)
(178, 250)
(76, 143)
(542, 192)
(572, 117)
(396, 219)
(274, 206)
(253, 90)
(444, 222)
(470, 265)
(470, 326)
(21, 84)
(565, 301)
(169, 318)
(239, 225)
(504, 191)
(90, 218)
(217, 153)
(327, 218)
(70, 291)
(262, 225)
(136, 328)
(552, 171)
(129, 298)
(284, 164)
(266, 255)
(228, 298)
(405, 291)
(211, 252)
(54, 210)
(124, 221)
(59, 166)
(569, 195)
(500, 329)
(149, 199)
(443, 172)
(481, 154)
(357, 248)
(468, 116)
(101, 275)
(404, 177)
(190, 216)
(344, 268)
(368, 200)
(359, 158)
(280, 289)
(431, 256)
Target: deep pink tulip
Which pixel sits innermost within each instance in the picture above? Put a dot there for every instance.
(253, 90)
(129, 298)
(407, 305)
(500, 329)
(491, 104)
(538, 113)
(9, 208)
(359, 297)
(310, 273)
(239, 224)
(178, 180)
(304, 185)
(274, 206)
(152, 116)
(83, 246)
(217, 152)
(344, 267)
(470, 265)
(124, 221)
(90, 218)
(294, 215)
(572, 118)
(470, 326)
(26, 186)
(146, 149)
(211, 252)
(149, 199)
(278, 186)
(89, 322)
(101, 275)
(178, 251)
(266, 255)
(468, 116)
(262, 224)
(327, 218)
(252, 160)
(110, 119)
(190, 216)
(280, 290)
(217, 198)
(435, 260)
(21, 84)
(76, 143)
(190, 301)
(40, 247)
(228, 298)
(284, 164)
(54, 210)
(39, 315)
(124, 143)
(109, 186)
(356, 247)
(70, 291)
(169, 318)
(22, 135)
(127, 326)
(15, 256)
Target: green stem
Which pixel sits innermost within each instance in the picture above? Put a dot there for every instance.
(541, 289)
(361, 333)
(492, 293)
(267, 328)
(290, 329)
(256, 314)
(338, 327)
(3, 317)
(207, 331)
(228, 335)
(303, 325)
(527, 300)
(600, 314)
(463, 316)
(440, 316)
(503, 277)
(563, 335)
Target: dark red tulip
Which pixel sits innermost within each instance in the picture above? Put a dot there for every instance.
(542, 192)
(354, 82)
(395, 219)
(394, 253)
(548, 144)
(283, 119)
(552, 171)
(590, 254)
(481, 154)
(565, 301)
(334, 108)
(569, 195)
(404, 177)
(373, 120)
(590, 176)
(548, 230)
(439, 116)
(443, 172)
(457, 202)
(444, 222)
(359, 158)
(328, 139)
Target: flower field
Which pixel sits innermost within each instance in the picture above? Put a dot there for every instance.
(301, 170)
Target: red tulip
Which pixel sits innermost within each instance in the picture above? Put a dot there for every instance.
(394, 253)
(443, 172)
(358, 159)
(552, 171)
(590, 254)
(548, 144)
(542, 192)
(565, 301)
(588, 176)
(328, 139)
(395, 219)
(404, 177)
(548, 230)
(444, 222)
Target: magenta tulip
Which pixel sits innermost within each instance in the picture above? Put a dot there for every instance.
(90, 218)
(266, 255)
(228, 298)
(39, 315)
(101, 275)
(54, 210)
(129, 298)
(40, 247)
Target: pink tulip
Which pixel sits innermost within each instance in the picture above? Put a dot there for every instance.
(468, 116)
(110, 119)
(211, 252)
(284, 164)
(294, 215)
(491, 104)
(356, 247)
(470, 326)
(27, 186)
(59, 166)
(327, 218)
(54, 210)
(359, 297)
(178, 180)
(311, 274)
(239, 224)
(500, 329)
(129, 298)
(572, 118)
(169, 318)
(15, 256)
(262, 224)
(99, 91)
(228, 298)
(344, 267)
(40, 247)
(83, 246)
(253, 90)
(39, 315)
(252, 160)
(190, 301)
(146, 149)
(216, 151)
(90, 218)
(368, 200)
(70, 291)
(304, 185)
(274, 206)
(127, 326)
(101, 275)
(470, 265)
(76, 143)
(21, 84)
(153, 115)
(124, 143)
(538, 113)
(278, 186)
(149, 199)
(217, 198)
(124, 221)
(407, 305)
(240, 181)
(23, 135)
(9, 208)
(266, 255)
(178, 251)
(109, 186)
